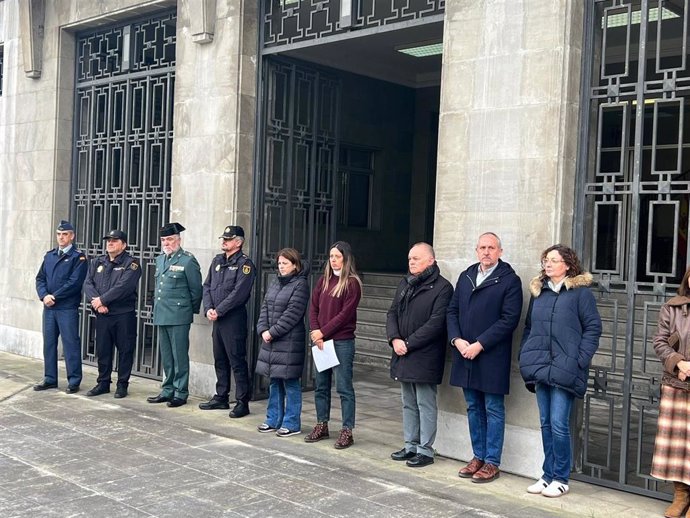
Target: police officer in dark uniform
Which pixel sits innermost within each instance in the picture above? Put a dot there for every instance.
(227, 289)
(177, 299)
(111, 288)
(58, 284)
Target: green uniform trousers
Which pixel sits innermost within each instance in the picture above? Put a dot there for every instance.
(174, 348)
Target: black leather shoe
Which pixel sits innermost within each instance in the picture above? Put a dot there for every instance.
(241, 409)
(72, 389)
(98, 390)
(44, 386)
(402, 454)
(419, 461)
(120, 392)
(176, 401)
(214, 404)
(160, 398)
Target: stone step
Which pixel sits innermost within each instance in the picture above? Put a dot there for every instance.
(379, 290)
(372, 316)
(385, 279)
(382, 303)
(372, 329)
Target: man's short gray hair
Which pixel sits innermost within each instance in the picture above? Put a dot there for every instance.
(500, 245)
(426, 246)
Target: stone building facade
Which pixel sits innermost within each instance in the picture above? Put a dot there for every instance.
(228, 101)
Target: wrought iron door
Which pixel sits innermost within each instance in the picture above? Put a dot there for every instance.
(633, 214)
(296, 185)
(123, 135)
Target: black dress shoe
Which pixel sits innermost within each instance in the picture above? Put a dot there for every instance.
(419, 461)
(98, 390)
(240, 410)
(214, 404)
(160, 398)
(45, 386)
(176, 401)
(402, 454)
(72, 389)
(120, 392)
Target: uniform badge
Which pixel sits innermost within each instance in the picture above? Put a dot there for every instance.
(133, 266)
(100, 268)
(227, 230)
(82, 258)
(246, 269)
(217, 267)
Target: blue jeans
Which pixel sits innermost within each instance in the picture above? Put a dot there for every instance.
(284, 404)
(345, 351)
(419, 417)
(554, 413)
(486, 415)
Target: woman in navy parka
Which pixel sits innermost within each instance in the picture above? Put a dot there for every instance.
(562, 331)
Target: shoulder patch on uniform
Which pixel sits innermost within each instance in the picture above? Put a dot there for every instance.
(82, 258)
(188, 254)
(246, 269)
(134, 266)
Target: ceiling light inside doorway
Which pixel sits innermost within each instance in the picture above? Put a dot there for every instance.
(620, 20)
(422, 50)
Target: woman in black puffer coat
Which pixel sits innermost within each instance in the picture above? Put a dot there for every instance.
(561, 335)
(281, 356)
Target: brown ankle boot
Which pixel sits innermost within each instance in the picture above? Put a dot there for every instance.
(681, 501)
(319, 432)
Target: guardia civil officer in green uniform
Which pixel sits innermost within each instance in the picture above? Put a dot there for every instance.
(177, 297)
(227, 288)
(111, 289)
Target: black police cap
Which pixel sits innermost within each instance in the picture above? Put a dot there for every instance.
(231, 232)
(116, 234)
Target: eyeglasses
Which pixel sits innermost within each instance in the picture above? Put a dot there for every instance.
(544, 262)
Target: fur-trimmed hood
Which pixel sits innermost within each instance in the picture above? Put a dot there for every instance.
(579, 281)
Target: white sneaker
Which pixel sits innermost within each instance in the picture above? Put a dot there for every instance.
(555, 489)
(537, 487)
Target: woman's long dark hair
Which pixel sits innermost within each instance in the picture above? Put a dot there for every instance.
(683, 288)
(349, 270)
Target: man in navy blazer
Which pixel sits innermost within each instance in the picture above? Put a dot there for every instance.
(58, 284)
(482, 315)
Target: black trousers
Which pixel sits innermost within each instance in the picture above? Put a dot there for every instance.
(111, 331)
(230, 354)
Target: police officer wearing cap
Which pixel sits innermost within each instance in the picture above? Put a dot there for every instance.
(111, 288)
(227, 288)
(58, 284)
(177, 297)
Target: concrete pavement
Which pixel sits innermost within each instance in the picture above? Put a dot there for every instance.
(68, 455)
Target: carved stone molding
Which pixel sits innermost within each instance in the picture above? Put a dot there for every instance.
(202, 14)
(31, 20)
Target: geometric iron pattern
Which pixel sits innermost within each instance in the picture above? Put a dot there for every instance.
(123, 135)
(636, 223)
(292, 21)
(299, 157)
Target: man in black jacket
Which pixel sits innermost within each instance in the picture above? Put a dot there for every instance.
(416, 330)
(111, 288)
(227, 288)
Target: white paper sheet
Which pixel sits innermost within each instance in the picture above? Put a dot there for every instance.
(325, 358)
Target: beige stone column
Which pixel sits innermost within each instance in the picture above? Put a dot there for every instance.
(213, 148)
(506, 163)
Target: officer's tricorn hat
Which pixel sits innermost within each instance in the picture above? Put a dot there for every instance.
(65, 226)
(231, 232)
(171, 229)
(116, 234)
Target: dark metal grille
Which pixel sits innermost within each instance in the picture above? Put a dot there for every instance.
(299, 164)
(293, 21)
(2, 65)
(634, 215)
(122, 154)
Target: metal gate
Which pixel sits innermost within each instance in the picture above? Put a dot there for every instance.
(633, 213)
(296, 186)
(123, 133)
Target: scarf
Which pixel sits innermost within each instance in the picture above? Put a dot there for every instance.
(413, 281)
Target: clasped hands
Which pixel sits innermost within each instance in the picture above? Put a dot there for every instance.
(98, 305)
(683, 370)
(467, 350)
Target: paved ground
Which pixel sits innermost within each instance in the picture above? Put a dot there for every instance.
(68, 455)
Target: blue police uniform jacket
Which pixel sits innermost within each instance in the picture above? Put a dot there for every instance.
(115, 282)
(228, 284)
(62, 277)
(177, 294)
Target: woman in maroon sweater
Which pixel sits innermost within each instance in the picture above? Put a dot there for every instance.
(333, 316)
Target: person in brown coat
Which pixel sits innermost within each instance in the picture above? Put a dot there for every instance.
(671, 460)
